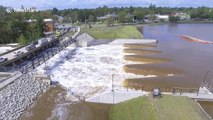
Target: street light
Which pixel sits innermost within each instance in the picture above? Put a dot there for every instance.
(112, 89)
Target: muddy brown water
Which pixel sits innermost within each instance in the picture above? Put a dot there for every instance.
(141, 51)
(153, 69)
(145, 59)
(188, 62)
(54, 105)
(208, 106)
(192, 59)
(138, 46)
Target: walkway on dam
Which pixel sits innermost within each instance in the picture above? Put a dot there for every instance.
(114, 97)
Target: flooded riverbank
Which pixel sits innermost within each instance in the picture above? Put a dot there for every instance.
(194, 59)
(88, 71)
(84, 72)
(56, 104)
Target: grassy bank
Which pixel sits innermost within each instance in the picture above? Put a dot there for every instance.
(115, 32)
(165, 108)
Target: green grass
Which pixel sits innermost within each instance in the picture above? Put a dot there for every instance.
(178, 108)
(136, 109)
(115, 32)
(165, 108)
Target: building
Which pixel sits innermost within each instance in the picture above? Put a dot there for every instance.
(84, 40)
(162, 18)
(182, 16)
(48, 26)
(113, 16)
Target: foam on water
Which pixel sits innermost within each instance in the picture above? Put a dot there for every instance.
(83, 69)
(86, 72)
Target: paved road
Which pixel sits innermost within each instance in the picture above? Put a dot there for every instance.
(11, 57)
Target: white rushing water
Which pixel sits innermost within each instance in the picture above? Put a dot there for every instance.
(88, 71)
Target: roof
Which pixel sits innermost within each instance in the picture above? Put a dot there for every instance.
(48, 20)
(163, 16)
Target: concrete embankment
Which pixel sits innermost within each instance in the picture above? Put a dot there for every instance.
(19, 95)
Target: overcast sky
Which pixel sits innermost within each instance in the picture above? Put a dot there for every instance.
(63, 4)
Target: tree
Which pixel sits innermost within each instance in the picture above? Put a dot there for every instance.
(22, 40)
(110, 21)
(173, 19)
(131, 10)
(91, 18)
(121, 17)
(139, 14)
(55, 11)
(128, 18)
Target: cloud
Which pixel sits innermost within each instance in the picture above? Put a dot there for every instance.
(63, 4)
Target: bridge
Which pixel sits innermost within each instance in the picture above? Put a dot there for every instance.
(11, 58)
(9, 76)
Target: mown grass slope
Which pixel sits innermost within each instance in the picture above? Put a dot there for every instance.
(114, 32)
(137, 109)
(166, 108)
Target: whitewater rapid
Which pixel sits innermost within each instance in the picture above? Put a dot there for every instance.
(87, 71)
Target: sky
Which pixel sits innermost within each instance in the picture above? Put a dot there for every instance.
(64, 4)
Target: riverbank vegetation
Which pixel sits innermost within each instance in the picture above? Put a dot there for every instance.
(165, 108)
(114, 32)
(14, 25)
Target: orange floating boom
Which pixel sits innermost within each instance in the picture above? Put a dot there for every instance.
(192, 39)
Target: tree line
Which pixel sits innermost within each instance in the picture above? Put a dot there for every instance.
(14, 28)
(126, 14)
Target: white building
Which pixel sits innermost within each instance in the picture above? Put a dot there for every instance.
(163, 18)
(182, 16)
(113, 16)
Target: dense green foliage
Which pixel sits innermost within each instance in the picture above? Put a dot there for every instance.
(14, 26)
(137, 13)
(173, 19)
(22, 40)
(166, 108)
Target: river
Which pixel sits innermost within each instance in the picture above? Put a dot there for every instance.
(193, 59)
(173, 62)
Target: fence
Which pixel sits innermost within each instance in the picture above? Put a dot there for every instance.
(185, 90)
(208, 86)
(126, 88)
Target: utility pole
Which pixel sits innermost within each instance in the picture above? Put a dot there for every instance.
(85, 20)
(112, 89)
(204, 80)
(211, 86)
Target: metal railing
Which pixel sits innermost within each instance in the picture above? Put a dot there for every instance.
(208, 86)
(38, 60)
(185, 90)
(26, 67)
(127, 88)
